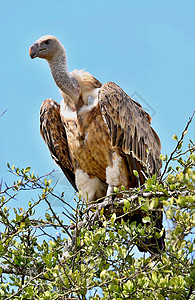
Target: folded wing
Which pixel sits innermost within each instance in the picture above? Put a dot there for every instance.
(130, 129)
(54, 135)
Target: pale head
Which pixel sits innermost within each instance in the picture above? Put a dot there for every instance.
(46, 47)
(50, 48)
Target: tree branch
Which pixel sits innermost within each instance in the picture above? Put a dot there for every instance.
(32, 271)
(178, 143)
(24, 286)
(119, 202)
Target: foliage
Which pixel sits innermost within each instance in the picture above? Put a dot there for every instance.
(103, 263)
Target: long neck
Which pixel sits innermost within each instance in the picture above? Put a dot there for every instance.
(62, 77)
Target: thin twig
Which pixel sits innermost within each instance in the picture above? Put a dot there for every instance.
(183, 153)
(178, 143)
(56, 217)
(3, 113)
(24, 286)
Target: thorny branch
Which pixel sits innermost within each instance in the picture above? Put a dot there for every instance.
(177, 146)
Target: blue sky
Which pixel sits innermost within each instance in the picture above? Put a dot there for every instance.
(146, 47)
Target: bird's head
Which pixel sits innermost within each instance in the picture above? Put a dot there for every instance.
(46, 47)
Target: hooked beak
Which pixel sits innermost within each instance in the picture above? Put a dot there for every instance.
(33, 51)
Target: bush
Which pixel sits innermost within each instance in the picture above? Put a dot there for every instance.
(101, 262)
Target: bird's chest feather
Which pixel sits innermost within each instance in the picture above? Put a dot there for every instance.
(89, 143)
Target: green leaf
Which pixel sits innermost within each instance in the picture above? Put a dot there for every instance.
(179, 146)
(128, 286)
(116, 190)
(154, 277)
(192, 274)
(114, 288)
(162, 157)
(109, 250)
(113, 218)
(27, 169)
(48, 217)
(127, 203)
(135, 172)
(192, 157)
(22, 225)
(103, 274)
(146, 219)
(122, 188)
(46, 275)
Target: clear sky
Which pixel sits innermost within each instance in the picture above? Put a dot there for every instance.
(146, 47)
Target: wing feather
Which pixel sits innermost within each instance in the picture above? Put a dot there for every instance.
(54, 135)
(129, 127)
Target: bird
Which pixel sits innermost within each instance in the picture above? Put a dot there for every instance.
(98, 135)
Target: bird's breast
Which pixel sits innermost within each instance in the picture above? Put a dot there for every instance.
(89, 145)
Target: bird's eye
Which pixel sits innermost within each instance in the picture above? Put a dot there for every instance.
(47, 42)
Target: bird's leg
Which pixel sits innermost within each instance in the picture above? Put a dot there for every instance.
(110, 191)
(110, 194)
(113, 175)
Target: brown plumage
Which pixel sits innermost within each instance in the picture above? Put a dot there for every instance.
(130, 130)
(99, 135)
(54, 135)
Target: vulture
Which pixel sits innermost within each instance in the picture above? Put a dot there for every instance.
(98, 136)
